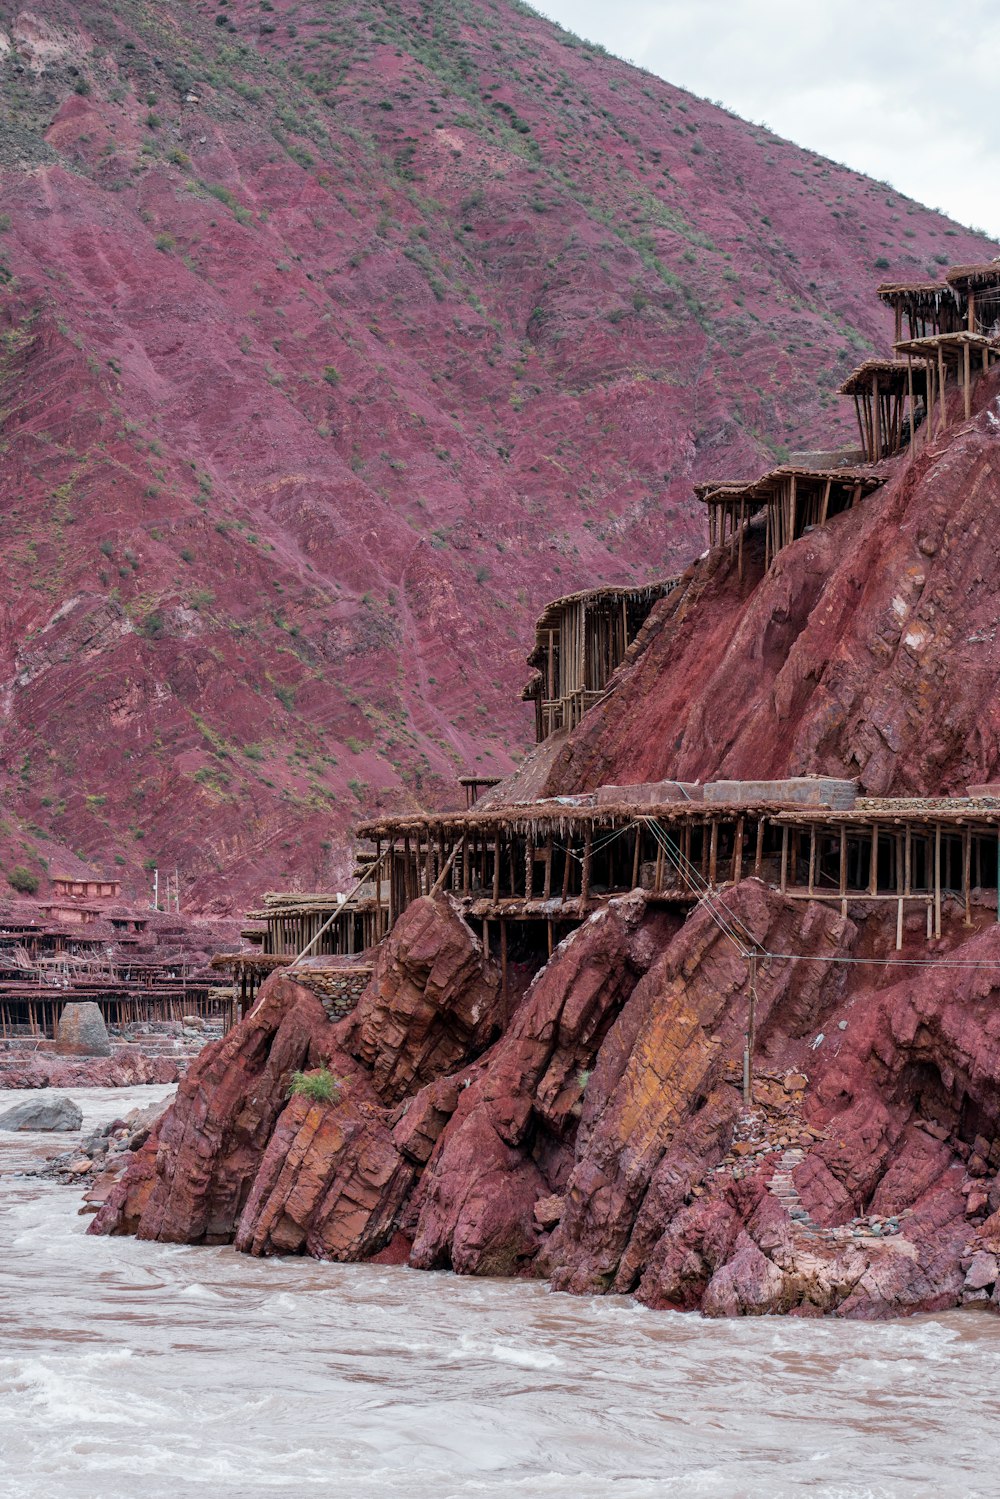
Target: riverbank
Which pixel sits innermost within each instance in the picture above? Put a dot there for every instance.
(173, 1371)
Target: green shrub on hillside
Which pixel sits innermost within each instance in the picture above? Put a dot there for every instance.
(23, 881)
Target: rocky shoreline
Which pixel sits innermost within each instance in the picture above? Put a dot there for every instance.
(598, 1136)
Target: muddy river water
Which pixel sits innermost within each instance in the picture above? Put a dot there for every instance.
(144, 1371)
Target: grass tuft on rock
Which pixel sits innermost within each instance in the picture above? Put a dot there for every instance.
(320, 1087)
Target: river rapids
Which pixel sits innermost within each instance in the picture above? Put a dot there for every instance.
(131, 1369)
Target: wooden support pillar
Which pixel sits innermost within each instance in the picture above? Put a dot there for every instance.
(812, 858)
(784, 858)
(529, 867)
(758, 857)
(547, 887)
(937, 879)
(873, 862)
(967, 873)
(713, 852)
(900, 885)
(636, 856)
(738, 851)
(966, 381)
(739, 565)
(877, 417)
(585, 872)
(496, 865)
(941, 385)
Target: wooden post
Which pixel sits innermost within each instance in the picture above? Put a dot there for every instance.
(792, 499)
(812, 858)
(496, 866)
(585, 874)
(937, 879)
(738, 851)
(876, 406)
(899, 891)
(529, 867)
(758, 857)
(873, 862)
(784, 858)
(966, 381)
(941, 384)
(967, 872)
(636, 856)
(547, 887)
(713, 852)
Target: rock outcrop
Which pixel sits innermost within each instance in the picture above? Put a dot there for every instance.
(595, 1128)
(602, 1137)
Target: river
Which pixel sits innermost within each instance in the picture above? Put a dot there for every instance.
(145, 1371)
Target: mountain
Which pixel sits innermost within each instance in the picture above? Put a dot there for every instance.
(336, 338)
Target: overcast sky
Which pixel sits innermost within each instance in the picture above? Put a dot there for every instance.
(904, 90)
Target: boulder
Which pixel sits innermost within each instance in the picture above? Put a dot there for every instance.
(59, 1115)
(82, 1032)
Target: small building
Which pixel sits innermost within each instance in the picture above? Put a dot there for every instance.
(86, 887)
(70, 912)
(579, 641)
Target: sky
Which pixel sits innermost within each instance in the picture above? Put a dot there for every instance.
(903, 90)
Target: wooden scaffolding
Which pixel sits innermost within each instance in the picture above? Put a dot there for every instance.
(979, 287)
(927, 307)
(890, 401)
(579, 641)
(794, 500)
(555, 864)
(474, 787)
(948, 359)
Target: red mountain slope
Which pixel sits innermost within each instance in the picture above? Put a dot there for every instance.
(335, 339)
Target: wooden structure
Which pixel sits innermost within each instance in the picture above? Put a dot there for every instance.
(579, 642)
(474, 786)
(32, 995)
(552, 864)
(292, 922)
(321, 924)
(890, 401)
(731, 504)
(70, 887)
(948, 358)
(928, 307)
(794, 500)
(979, 287)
